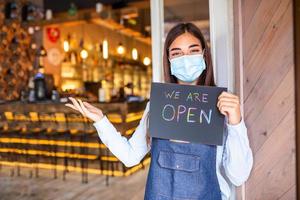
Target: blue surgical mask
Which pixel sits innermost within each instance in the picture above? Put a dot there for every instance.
(188, 68)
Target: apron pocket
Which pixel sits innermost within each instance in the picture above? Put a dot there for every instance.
(178, 161)
(181, 176)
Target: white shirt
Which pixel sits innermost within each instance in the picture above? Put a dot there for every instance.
(234, 159)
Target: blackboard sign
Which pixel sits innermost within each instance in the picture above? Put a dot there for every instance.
(185, 112)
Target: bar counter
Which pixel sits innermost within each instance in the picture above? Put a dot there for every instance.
(123, 115)
(18, 106)
(52, 136)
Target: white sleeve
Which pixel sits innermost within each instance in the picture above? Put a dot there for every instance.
(237, 157)
(129, 151)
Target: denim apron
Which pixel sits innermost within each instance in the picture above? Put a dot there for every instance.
(182, 171)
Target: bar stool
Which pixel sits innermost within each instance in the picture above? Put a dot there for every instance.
(11, 127)
(35, 131)
(3, 126)
(48, 122)
(12, 130)
(30, 130)
(61, 132)
(76, 125)
(93, 137)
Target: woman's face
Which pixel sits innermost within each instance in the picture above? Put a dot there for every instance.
(185, 44)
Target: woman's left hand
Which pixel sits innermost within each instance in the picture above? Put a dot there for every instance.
(229, 105)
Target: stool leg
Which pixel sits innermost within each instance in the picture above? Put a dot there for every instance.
(73, 151)
(9, 155)
(82, 170)
(67, 138)
(37, 160)
(52, 149)
(36, 172)
(15, 159)
(107, 168)
(107, 180)
(100, 163)
(86, 160)
(18, 166)
(55, 162)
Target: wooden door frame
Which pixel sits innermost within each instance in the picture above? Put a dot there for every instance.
(296, 13)
(157, 33)
(227, 71)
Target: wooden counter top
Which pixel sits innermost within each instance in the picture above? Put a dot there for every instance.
(48, 106)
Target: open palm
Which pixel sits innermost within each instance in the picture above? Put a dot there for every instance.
(86, 109)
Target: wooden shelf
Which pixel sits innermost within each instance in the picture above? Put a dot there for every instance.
(90, 16)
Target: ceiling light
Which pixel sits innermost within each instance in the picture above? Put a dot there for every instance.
(134, 54)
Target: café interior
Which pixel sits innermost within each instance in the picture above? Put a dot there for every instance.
(97, 51)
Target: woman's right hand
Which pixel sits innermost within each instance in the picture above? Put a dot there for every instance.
(86, 109)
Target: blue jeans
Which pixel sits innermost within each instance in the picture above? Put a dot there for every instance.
(182, 171)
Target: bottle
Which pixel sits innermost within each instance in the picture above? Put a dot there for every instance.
(39, 86)
(23, 97)
(101, 95)
(55, 96)
(31, 96)
(11, 10)
(28, 12)
(49, 14)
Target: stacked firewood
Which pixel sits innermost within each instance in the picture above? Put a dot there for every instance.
(16, 56)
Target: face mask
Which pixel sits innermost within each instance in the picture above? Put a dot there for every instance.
(188, 68)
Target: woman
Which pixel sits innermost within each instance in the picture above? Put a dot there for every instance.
(179, 169)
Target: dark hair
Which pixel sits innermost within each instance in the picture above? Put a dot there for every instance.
(207, 76)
